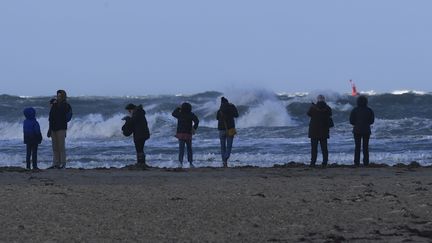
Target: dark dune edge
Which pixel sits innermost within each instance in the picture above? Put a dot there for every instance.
(292, 164)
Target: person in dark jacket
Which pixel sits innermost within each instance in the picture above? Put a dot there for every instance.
(226, 126)
(32, 136)
(319, 129)
(362, 117)
(59, 116)
(187, 123)
(136, 124)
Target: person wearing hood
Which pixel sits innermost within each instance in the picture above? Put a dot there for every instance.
(362, 117)
(59, 116)
(319, 129)
(136, 124)
(187, 123)
(226, 126)
(32, 136)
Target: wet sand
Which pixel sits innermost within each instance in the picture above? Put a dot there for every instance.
(293, 204)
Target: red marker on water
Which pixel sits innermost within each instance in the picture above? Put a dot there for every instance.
(353, 88)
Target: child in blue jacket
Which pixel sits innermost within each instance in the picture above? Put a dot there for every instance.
(32, 136)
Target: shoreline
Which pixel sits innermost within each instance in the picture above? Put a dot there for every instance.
(413, 164)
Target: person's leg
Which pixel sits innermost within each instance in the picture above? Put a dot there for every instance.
(189, 151)
(314, 151)
(324, 150)
(28, 154)
(139, 148)
(366, 149)
(230, 140)
(55, 148)
(34, 156)
(223, 140)
(181, 150)
(357, 139)
(61, 138)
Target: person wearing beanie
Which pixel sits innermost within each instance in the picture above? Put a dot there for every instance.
(226, 126)
(59, 116)
(32, 137)
(319, 129)
(187, 123)
(136, 124)
(362, 117)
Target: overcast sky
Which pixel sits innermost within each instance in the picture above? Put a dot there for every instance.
(126, 47)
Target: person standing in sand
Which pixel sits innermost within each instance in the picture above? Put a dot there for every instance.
(319, 129)
(136, 124)
(362, 117)
(226, 126)
(59, 116)
(187, 123)
(32, 137)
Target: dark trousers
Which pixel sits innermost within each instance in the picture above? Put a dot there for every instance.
(139, 146)
(314, 150)
(358, 143)
(182, 144)
(31, 152)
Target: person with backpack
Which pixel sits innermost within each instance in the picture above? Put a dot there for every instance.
(32, 137)
(226, 126)
(362, 117)
(187, 123)
(136, 124)
(319, 129)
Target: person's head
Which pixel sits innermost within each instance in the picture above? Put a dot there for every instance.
(61, 95)
(186, 107)
(362, 101)
(224, 100)
(320, 98)
(130, 108)
(29, 113)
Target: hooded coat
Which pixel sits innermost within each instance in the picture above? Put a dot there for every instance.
(319, 124)
(137, 125)
(362, 117)
(60, 114)
(185, 117)
(31, 128)
(225, 115)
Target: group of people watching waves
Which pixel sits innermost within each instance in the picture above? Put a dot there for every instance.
(361, 117)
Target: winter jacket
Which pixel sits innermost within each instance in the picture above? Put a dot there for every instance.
(60, 114)
(137, 125)
(185, 117)
(362, 117)
(319, 125)
(31, 128)
(226, 114)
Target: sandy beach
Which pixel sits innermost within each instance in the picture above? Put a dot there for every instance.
(284, 204)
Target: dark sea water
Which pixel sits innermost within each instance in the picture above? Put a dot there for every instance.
(272, 129)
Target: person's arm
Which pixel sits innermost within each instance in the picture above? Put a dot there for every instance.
(176, 112)
(234, 111)
(310, 111)
(195, 121)
(353, 117)
(372, 117)
(38, 133)
(69, 113)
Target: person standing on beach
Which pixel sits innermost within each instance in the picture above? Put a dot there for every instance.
(59, 116)
(136, 124)
(226, 126)
(32, 137)
(187, 123)
(362, 117)
(319, 129)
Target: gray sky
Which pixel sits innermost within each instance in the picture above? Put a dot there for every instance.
(126, 47)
